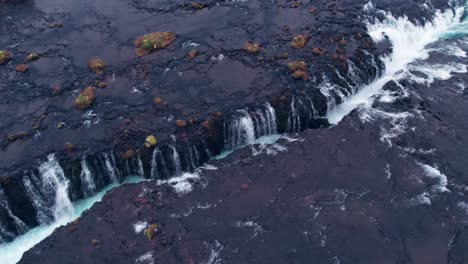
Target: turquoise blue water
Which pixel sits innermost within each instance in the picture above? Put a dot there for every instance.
(12, 252)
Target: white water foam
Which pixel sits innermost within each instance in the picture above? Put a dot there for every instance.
(409, 41)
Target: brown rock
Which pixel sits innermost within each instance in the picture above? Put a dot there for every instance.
(22, 68)
(312, 10)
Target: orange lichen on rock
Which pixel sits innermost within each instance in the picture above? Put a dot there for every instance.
(197, 5)
(252, 48)
(317, 51)
(157, 100)
(4, 57)
(96, 65)
(192, 54)
(181, 123)
(206, 124)
(22, 68)
(299, 41)
(298, 69)
(153, 41)
(85, 99)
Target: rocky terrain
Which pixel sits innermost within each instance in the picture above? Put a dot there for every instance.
(185, 101)
(338, 195)
(93, 92)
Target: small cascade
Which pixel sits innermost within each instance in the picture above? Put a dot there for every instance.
(19, 226)
(294, 118)
(109, 161)
(176, 161)
(87, 181)
(240, 131)
(302, 114)
(158, 165)
(48, 191)
(246, 126)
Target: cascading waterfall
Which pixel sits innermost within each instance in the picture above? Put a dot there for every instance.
(409, 41)
(19, 225)
(176, 161)
(247, 126)
(87, 181)
(48, 192)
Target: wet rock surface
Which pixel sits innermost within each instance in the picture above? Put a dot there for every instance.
(339, 195)
(45, 111)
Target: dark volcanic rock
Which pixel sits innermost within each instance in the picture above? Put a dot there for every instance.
(210, 87)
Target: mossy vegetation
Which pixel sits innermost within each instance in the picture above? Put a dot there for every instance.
(150, 231)
(251, 48)
(299, 41)
(32, 57)
(85, 99)
(96, 65)
(149, 42)
(4, 57)
(298, 69)
(150, 141)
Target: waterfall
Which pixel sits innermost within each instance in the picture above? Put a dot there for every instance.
(240, 131)
(87, 181)
(48, 192)
(176, 161)
(409, 41)
(110, 167)
(19, 225)
(245, 127)
(294, 118)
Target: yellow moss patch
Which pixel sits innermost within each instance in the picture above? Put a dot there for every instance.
(150, 141)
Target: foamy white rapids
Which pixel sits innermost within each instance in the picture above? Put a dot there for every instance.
(409, 41)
